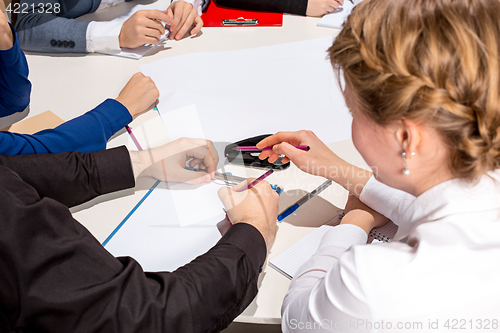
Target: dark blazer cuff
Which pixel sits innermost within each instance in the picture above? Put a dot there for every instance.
(114, 169)
(247, 238)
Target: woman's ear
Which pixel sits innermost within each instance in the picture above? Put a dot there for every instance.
(408, 135)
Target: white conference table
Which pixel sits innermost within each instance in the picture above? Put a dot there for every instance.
(70, 85)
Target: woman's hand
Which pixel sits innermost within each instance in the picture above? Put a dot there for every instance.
(319, 160)
(168, 162)
(359, 214)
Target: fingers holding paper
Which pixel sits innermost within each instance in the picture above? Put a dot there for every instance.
(184, 17)
(168, 162)
(143, 27)
(257, 206)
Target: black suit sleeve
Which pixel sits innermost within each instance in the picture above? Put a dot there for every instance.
(56, 277)
(297, 7)
(74, 178)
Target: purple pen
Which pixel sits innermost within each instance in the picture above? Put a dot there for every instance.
(254, 148)
(258, 180)
(129, 130)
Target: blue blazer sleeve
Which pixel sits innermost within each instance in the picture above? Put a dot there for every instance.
(87, 133)
(50, 26)
(15, 88)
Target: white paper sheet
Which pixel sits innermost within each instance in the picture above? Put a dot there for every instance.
(140, 51)
(338, 17)
(290, 260)
(154, 234)
(240, 94)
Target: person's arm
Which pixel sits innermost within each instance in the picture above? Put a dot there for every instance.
(50, 26)
(297, 7)
(319, 160)
(388, 201)
(91, 131)
(73, 178)
(326, 290)
(63, 280)
(15, 88)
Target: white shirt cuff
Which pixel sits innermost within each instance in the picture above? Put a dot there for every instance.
(103, 36)
(197, 4)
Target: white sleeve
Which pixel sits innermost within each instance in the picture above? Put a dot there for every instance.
(103, 36)
(197, 4)
(325, 290)
(388, 201)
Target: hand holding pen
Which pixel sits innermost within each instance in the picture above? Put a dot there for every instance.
(317, 160)
(257, 206)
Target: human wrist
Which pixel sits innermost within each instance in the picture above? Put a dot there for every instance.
(139, 163)
(360, 218)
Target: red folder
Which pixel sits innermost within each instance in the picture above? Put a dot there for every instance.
(217, 16)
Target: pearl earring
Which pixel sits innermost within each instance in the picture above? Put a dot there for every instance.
(406, 172)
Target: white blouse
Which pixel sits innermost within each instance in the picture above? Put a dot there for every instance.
(445, 278)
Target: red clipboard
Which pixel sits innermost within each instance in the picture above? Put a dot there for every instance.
(217, 16)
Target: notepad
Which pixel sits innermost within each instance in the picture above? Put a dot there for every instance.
(338, 17)
(289, 261)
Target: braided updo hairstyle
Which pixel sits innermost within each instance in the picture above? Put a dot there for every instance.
(435, 62)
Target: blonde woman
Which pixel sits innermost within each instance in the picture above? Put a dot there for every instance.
(422, 79)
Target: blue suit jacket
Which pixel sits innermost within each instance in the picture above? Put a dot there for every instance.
(42, 30)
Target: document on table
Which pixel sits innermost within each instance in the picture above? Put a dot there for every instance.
(240, 94)
(289, 261)
(172, 226)
(140, 51)
(338, 17)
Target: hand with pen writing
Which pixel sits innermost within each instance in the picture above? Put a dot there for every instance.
(143, 27)
(319, 160)
(168, 162)
(357, 213)
(321, 7)
(257, 206)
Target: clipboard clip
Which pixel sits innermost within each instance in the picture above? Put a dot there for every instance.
(240, 21)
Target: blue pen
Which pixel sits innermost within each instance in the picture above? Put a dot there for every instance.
(287, 212)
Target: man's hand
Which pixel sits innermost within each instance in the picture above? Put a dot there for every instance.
(6, 36)
(144, 27)
(183, 16)
(139, 94)
(321, 7)
(168, 162)
(257, 206)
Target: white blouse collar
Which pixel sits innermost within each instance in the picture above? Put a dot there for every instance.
(453, 197)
